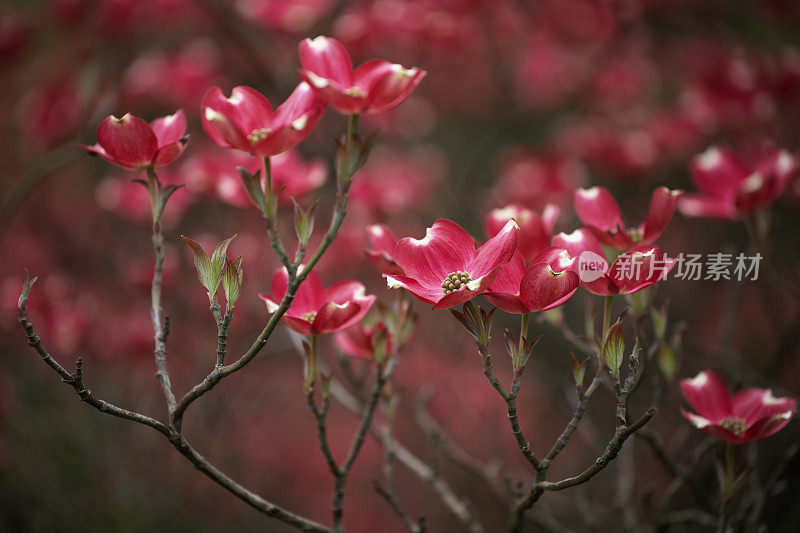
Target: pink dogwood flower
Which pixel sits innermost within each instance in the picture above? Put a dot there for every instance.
(534, 229)
(750, 414)
(600, 213)
(541, 287)
(132, 143)
(373, 87)
(632, 271)
(729, 188)
(318, 310)
(444, 269)
(247, 122)
(381, 254)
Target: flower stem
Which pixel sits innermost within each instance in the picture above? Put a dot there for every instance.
(609, 300)
(523, 335)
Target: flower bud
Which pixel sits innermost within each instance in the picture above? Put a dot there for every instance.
(304, 222)
(614, 349)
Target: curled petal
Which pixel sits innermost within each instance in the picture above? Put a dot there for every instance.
(169, 129)
(598, 210)
(169, 152)
(327, 58)
(542, 288)
(639, 268)
(662, 207)
(389, 89)
(128, 141)
(334, 317)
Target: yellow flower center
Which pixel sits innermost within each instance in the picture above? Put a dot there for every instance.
(455, 281)
(309, 317)
(256, 136)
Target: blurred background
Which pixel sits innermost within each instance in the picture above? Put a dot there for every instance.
(524, 101)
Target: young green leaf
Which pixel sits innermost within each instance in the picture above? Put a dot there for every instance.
(232, 280)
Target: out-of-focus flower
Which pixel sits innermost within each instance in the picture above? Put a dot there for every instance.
(216, 174)
(383, 244)
(373, 87)
(296, 16)
(538, 288)
(632, 271)
(534, 229)
(730, 189)
(246, 121)
(750, 414)
(600, 213)
(359, 340)
(392, 183)
(443, 268)
(52, 110)
(535, 180)
(132, 143)
(316, 309)
(173, 78)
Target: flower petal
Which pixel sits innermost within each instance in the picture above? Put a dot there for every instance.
(170, 152)
(542, 288)
(327, 58)
(170, 128)
(577, 242)
(718, 172)
(334, 317)
(662, 207)
(446, 248)
(597, 209)
(386, 84)
(708, 396)
(703, 205)
(496, 252)
(128, 141)
(639, 268)
(754, 404)
(429, 295)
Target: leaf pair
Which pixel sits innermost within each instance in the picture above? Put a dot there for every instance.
(211, 271)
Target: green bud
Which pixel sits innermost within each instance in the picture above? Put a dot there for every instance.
(304, 221)
(209, 270)
(614, 348)
(253, 188)
(578, 371)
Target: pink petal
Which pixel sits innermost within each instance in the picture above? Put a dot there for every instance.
(382, 239)
(577, 242)
(128, 141)
(390, 90)
(597, 209)
(169, 152)
(718, 172)
(353, 341)
(754, 404)
(770, 425)
(334, 317)
(446, 248)
(294, 120)
(219, 123)
(427, 294)
(708, 395)
(309, 296)
(712, 429)
(701, 205)
(532, 233)
(662, 207)
(327, 58)
(495, 253)
(549, 216)
(334, 94)
(510, 303)
(169, 129)
(509, 276)
(639, 268)
(542, 288)
(344, 291)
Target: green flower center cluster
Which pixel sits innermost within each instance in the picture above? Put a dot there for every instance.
(737, 426)
(455, 281)
(309, 317)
